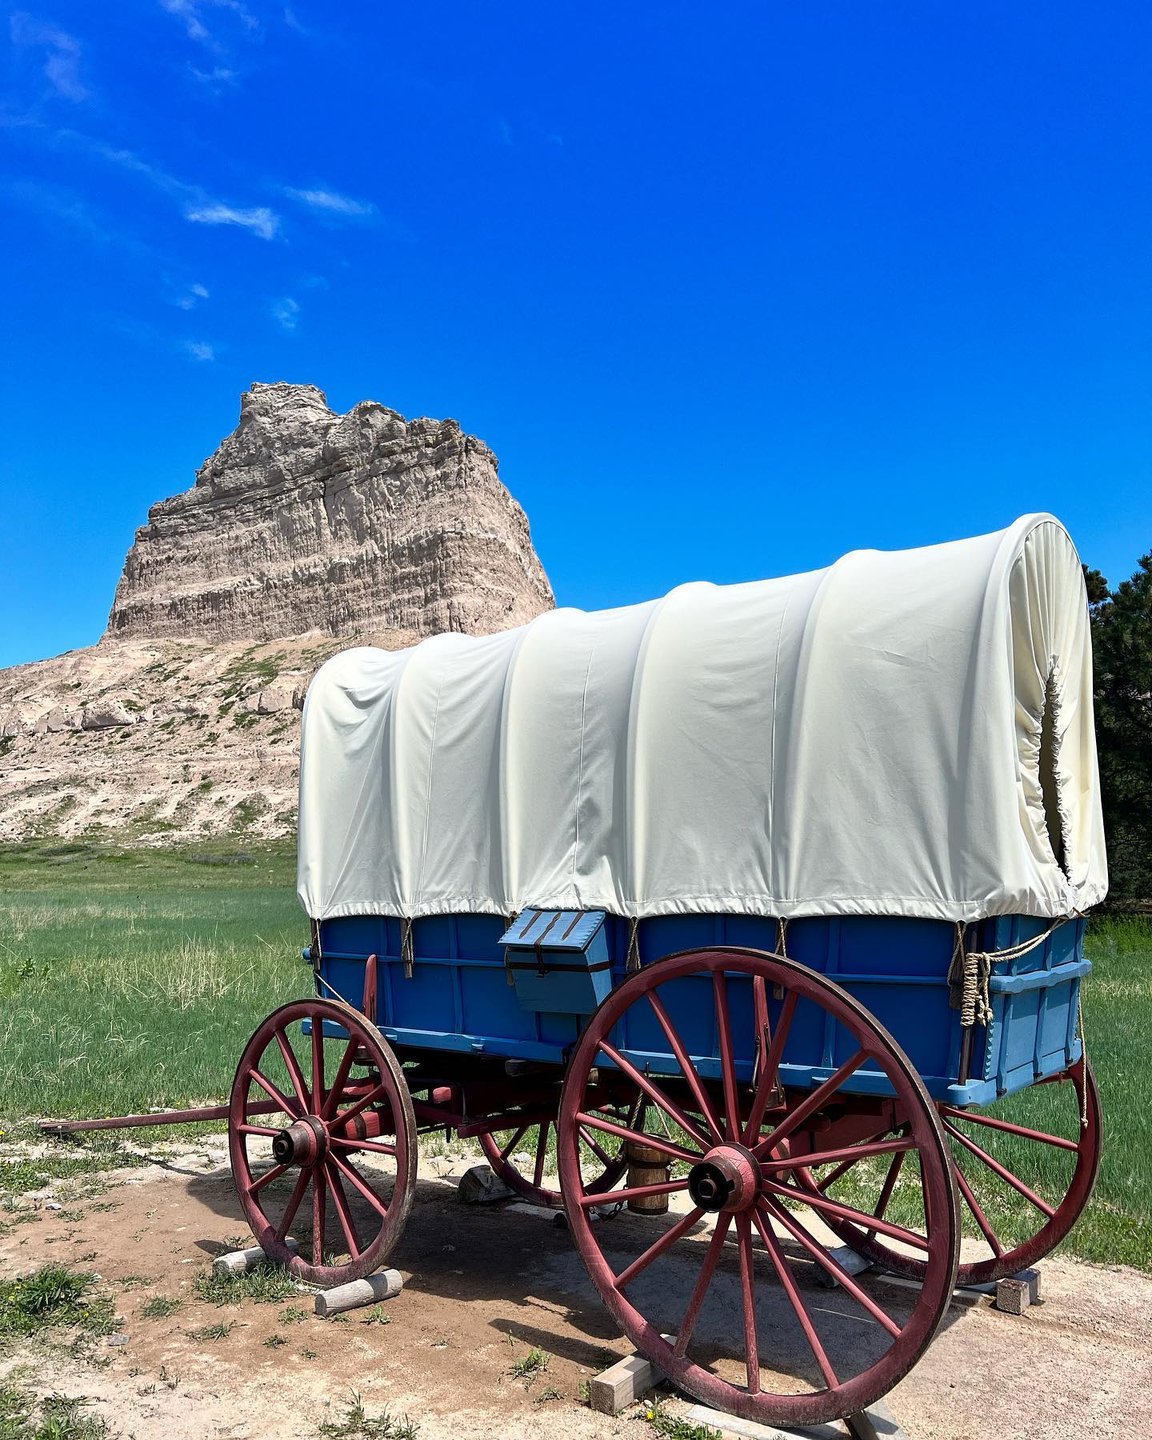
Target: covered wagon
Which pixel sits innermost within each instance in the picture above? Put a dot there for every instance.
(749, 910)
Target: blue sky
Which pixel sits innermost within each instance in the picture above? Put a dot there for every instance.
(730, 290)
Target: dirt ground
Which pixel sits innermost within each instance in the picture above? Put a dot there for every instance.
(484, 1286)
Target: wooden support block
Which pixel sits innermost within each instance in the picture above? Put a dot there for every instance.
(847, 1259)
(1016, 1292)
(966, 1295)
(385, 1285)
(875, 1423)
(753, 1430)
(622, 1384)
(239, 1262)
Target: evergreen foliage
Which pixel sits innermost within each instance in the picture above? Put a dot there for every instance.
(1122, 657)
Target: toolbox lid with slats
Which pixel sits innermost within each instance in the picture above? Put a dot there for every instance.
(565, 930)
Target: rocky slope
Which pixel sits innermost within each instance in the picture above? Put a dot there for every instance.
(304, 533)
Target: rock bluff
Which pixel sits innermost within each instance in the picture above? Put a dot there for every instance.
(356, 524)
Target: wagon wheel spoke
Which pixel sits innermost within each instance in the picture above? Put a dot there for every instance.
(517, 1136)
(748, 1295)
(839, 1171)
(1001, 1170)
(727, 1057)
(703, 1281)
(265, 1179)
(822, 1204)
(318, 1096)
(267, 1130)
(950, 1112)
(343, 1211)
(632, 1192)
(344, 1117)
(541, 1155)
(319, 1213)
(589, 1140)
(295, 1074)
(771, 1211)
(978, 1214)
(770, 1069)
(294, 1200)
(655, 1094)
(799, 1309)
(849, 1154)
(358, 1184)
(657, 1248)
(699, 1094)
(282, 1100)
(377, 1147)
(656, 1142)
(819, 1097)
(332, 1099)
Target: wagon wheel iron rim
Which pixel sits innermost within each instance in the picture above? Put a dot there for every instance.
(342, 1167)
(729, 1136)
(602, 1155)
(1045, 1176)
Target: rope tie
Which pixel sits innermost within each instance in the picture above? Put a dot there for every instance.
(1083, 1060)
(407, 953)
(782, 937)
(970, 971)
(633, 961)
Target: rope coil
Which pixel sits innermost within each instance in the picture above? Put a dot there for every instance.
(971, 970)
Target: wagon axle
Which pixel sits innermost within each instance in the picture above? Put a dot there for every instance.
(728, 1179)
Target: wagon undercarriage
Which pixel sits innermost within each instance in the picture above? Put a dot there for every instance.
(744, 1183)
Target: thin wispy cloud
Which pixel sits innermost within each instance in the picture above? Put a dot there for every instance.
(191, 297)
(259, 220)
(63, 54)
(191, 14)
(286, 313)
(199, 350)
(331, 202)
(217, 78)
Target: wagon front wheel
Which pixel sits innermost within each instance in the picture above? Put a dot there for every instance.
(322, 1138)
(753, 1066)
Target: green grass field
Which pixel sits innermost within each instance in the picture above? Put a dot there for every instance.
(133, 979)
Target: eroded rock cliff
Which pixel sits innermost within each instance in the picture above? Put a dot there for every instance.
(304, 519)
(305, 532)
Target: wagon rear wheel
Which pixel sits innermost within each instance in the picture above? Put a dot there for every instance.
(1023, 1179)
(524, 1157)
(720, 1292)
(322, 1138)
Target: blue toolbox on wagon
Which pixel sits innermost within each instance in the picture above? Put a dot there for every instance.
(558, 960)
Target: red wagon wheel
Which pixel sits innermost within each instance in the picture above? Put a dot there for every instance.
(1022, 1186)
(523, 1157)
(718, 1293)
(337, 1162)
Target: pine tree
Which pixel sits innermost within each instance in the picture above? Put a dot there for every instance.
(1122, 651)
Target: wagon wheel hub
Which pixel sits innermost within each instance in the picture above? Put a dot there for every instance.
(303, 1143)
(727, 1179)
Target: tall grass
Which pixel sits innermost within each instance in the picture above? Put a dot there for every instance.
(133, 981)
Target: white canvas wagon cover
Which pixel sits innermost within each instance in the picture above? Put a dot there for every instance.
(903, 733)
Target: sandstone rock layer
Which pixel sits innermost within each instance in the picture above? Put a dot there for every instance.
(305, 532)
(350, 524)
